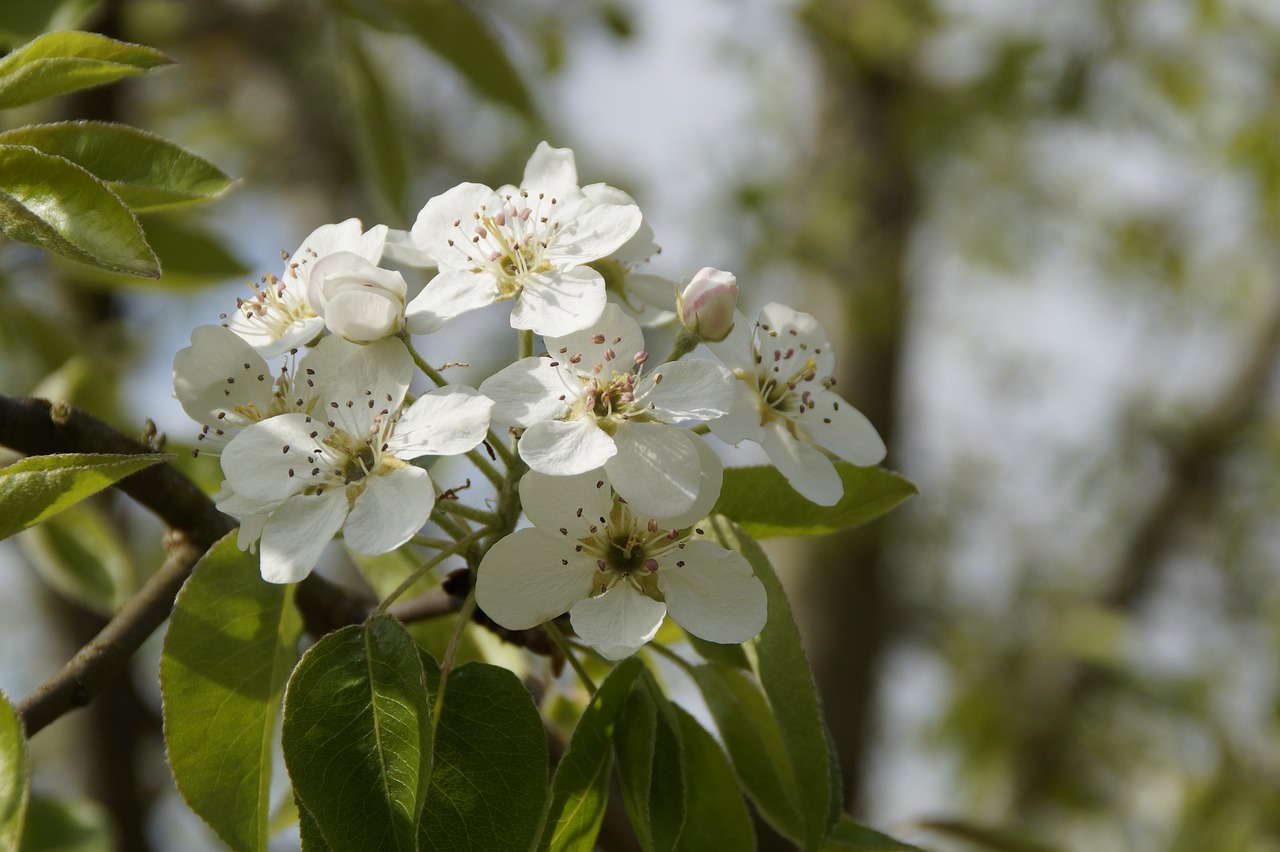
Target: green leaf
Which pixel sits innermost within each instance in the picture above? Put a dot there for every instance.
(459, 35)
(489, 782)
(190, 255)
(788, 682)
(648, 745)
(66, 825)
(750, 734)
(232, 641)
(53, 203)
(312, 839)
(995, 838)
(357, 736)
(21, 22)
(145, 171)
(39, 487)
(716, 815)
(849, 835)
(57, 63)
(760, 501)
(714, 652)
(15, 776)
(580, 788)
(80, 555)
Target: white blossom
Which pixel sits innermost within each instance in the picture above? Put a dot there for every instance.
(595, 402)
(615, 571)
(530, 243)
(709, 304)
(346, 465)
(784, 364)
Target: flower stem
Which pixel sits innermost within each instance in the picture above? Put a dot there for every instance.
(686, 342)
(504, 453)
(462, 510)
(563, 645)
(451, 654)
(482, 463)
(526, 343)
(433, 543)
(432, 373)
(454, 548)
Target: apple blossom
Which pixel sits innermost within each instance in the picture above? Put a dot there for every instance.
(617, 572)
(593, 404)
(785, 403)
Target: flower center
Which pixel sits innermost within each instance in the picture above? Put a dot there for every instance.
(511, 241)
(627, 548)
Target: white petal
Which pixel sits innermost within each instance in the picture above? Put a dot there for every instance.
(566, 447)
(529, 390)
(403, 249)
(839, 427)
(800, 330)
(651, 298)
(550, 170)
(257, 463)
(713, 595)
(571, 503)
(298, 334)
(444, 422)
(297, 532)
(696, 389)
(742, 423)
(559, 301)
(640, 247)
(435, 226)
(808, 470)
(710, 481)
(347, 372)
(656, 469)
(617, 622)
(449, 294)
(531, 576)
(390, 510)
(363, 315)
(617, 333)
(201, 371)
(251, 530)
(327, 239)
(736, 350)
(594, 232)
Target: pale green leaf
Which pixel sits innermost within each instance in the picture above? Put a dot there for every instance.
(760, 501)
(81, 555)
(231, 644)
(39, 487)
(15, 776)
(57, 63)
(357, 736)
(53, 203)
(580, 789)
(489, 782)
(788, 682)
(145, 171)
(67, 825)
(716, 814)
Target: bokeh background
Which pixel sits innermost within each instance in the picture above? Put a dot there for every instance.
(1044, 233)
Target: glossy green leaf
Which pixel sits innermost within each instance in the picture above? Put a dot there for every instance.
(994, 838)
(760, 501)
(15, 776)
(190, 255)
(53, 203)
(145, 171)
(788, 682)
(489, 782)
(80, 554)
(57, 63)
(716, 815)
(357, 736)
(580, 789)
(647, 742)
(459, 35)
(231, 644)
(21, 22)
(309, 832)
(750, 734)
(848, 835)
(39, 487)
(67, 825)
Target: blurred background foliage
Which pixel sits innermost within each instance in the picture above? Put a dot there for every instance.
(1044, 232)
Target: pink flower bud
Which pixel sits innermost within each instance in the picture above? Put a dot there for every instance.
(707, 305)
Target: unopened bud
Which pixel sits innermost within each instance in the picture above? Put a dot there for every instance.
(708, 304)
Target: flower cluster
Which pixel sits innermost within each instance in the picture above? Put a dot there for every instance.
(604, 462)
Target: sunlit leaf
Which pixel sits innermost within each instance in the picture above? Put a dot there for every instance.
(145, 171)
(67, 825)
(716, 815)
(57, 63)
(580, 788)
(231, 644)
(52, 203)
(759, 500)
(489, 782)
(15, 777)
(81, 555)
(357, 736)
(39, 487)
